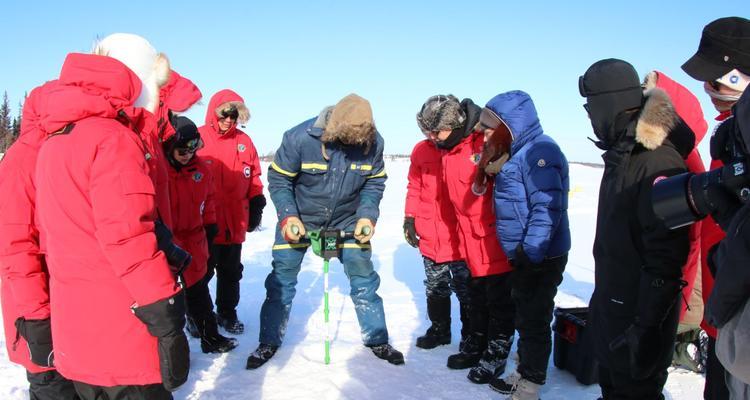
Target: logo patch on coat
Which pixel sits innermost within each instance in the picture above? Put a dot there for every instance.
(541, 163)
(246, 171)
(474, 158)
(241, 148)
(197, 177)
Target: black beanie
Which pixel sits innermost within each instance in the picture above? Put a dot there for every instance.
(186, 134)
(610, 87)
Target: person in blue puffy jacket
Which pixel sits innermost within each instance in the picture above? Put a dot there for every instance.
(531, 203)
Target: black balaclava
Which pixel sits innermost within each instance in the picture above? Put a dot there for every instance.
(186, 136)
(472, 112)
(610, 87)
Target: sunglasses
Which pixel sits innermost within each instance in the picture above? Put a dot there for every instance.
(185, 152)
(230, 113)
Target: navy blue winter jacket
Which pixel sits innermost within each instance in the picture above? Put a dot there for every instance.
(332, 192)
(531, 190)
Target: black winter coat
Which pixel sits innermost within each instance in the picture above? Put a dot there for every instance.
(732, 262)
(633, 247)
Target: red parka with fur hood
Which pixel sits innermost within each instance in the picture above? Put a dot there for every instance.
(235, 167)
(428, 203)
(95, 212)
(23, 272)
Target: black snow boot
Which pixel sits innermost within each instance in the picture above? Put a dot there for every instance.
(230, 323)
(388, 353)
(492, 363)
(439, 311)
(263, 353)
(465, 309)
(211, 340)
(192, 328)
(471, 352)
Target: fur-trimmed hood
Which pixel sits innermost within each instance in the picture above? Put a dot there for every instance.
(658, 120)
(224, 99)
(151, 67)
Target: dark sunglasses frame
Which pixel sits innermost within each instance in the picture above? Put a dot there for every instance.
(184, 152)
(231, 114)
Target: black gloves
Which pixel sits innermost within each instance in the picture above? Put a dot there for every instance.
(177, 258)
(165, 320)
(211, 231)
(257, 204)
(521, 262)
(644, 349)
(726, 205)
(38, 335)
(410, 232)
(656, 298)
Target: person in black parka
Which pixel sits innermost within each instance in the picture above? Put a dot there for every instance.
(633, 312)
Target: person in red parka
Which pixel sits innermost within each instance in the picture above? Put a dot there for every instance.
(25, 282)
(430, 224)
(118, 311)
(191, 189)
(691, 312)
(235, 166)
(718, 64)
(451, 125)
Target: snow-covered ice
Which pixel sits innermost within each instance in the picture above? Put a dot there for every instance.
(298, 372)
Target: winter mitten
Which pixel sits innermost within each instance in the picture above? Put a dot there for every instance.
(211, 231)
(165, 320)
(38, 336)
(364, 230)
(410, 232)
(257, 204)
(177, 258)
(288, 230)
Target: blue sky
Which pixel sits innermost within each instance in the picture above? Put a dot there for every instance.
(291, 59)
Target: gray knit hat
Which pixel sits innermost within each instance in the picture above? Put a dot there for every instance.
(440, 113)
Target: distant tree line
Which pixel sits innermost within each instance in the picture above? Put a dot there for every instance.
(10, 126)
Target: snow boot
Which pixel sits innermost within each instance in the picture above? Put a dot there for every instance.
(517, 387)
(687, 351)
(230, 323)
(471, 352)
(439, 311)
(388, 353)
(493, 361)
(261, 355)
(211, 340)
(465, 309)
(192, 328)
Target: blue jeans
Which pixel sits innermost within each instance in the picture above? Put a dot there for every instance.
(281, 283)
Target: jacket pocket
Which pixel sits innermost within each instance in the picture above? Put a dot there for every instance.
(488, 244)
